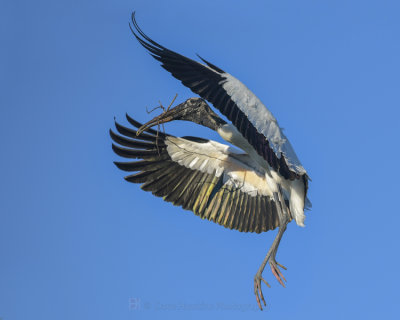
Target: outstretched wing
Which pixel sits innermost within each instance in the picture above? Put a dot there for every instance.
(206, 177)
(250, 116)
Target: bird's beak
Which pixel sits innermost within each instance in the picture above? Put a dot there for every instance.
(166, 116)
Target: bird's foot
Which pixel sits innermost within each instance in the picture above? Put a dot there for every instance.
(258, 290)
(276, 271)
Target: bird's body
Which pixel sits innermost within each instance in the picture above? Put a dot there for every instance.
(262, 187)
(293, 189)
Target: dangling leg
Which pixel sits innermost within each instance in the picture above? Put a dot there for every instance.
(274, 264)
(283, 221)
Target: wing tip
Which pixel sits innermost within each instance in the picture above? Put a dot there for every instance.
(212, 66)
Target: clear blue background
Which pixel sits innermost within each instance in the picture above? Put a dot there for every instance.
(78, 242)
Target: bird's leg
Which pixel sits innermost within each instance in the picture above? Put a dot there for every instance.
(270, 257)
(283, 219)
(274, 264)
(271, 254)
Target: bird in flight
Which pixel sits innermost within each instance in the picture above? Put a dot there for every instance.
(259, 188)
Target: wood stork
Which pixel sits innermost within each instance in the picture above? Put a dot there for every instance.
(260, 188)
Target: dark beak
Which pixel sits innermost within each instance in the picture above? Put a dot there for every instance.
(166, 116)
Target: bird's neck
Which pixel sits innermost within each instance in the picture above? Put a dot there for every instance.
(211, 122)
(229, 133)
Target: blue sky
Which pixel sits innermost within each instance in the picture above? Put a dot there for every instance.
(78, 242)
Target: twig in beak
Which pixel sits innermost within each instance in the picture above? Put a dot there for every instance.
(143, 128)
(173, 100)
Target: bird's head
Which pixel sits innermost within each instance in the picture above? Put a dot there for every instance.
(194, 109)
